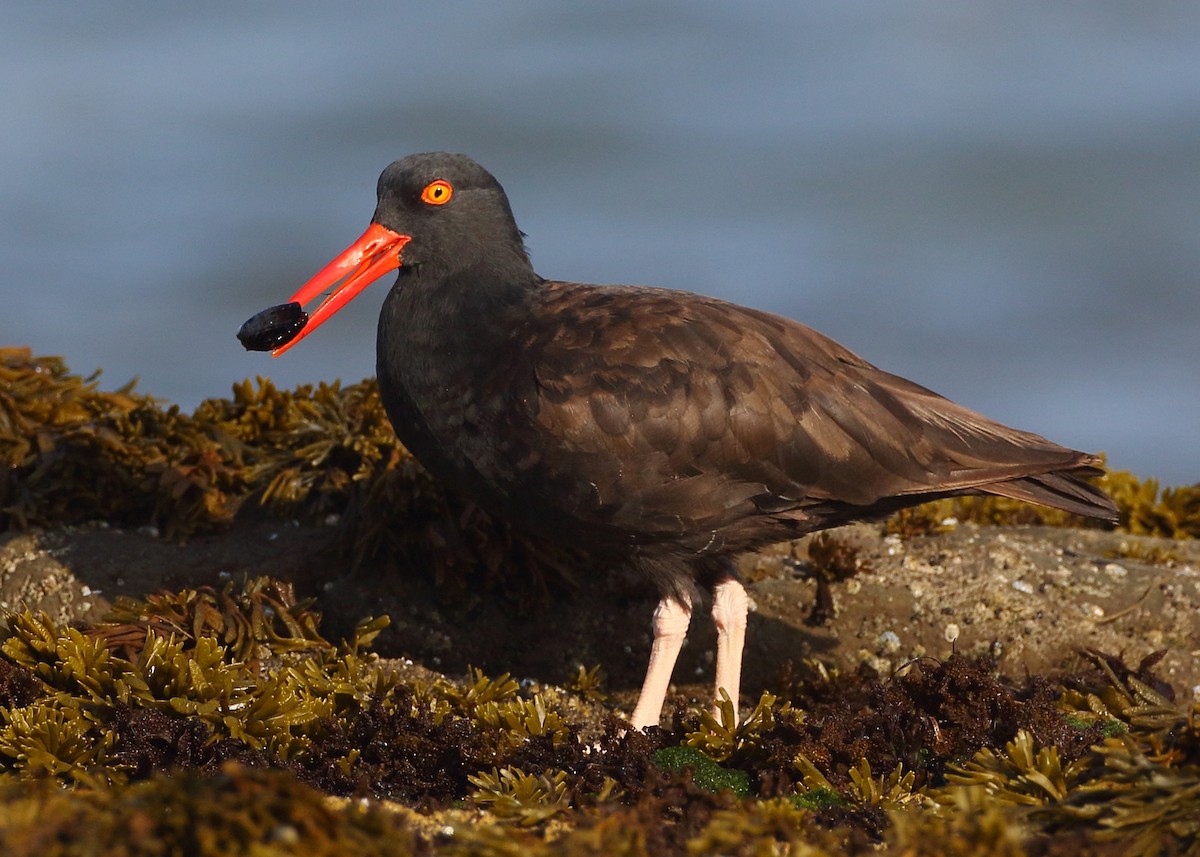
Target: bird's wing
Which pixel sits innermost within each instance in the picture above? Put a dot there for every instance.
(721, 406)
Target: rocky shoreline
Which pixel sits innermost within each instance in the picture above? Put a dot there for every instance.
(186, 667)
(1032, 598)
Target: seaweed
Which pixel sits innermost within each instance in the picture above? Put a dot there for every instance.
(831, 560)
(1018, 775)
(515, 796)
(924, 718)
(969, 825)
(211, 720)
(236, 810)
(170, 717)
(721, 737)
(263, 613)
(73, 453)
(1147, 807)
(890, 791)
(588, 682)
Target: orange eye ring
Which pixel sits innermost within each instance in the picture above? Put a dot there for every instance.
(437, 192)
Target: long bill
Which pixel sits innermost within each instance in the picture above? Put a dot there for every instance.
(376, 252)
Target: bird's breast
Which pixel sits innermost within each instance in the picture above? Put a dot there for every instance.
(457, 393)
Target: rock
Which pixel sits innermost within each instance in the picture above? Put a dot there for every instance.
(910, 592)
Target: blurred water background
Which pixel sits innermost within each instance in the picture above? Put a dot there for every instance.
(998, 199)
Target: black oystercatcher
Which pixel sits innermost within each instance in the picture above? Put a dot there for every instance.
(662, 430)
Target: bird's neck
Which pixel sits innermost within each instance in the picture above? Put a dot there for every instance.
(481, 296)
(444, 322)
(447, 357)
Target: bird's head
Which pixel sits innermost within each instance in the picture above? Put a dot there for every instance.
(436, 214)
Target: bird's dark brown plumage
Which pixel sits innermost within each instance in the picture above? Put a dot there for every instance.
(659, 429)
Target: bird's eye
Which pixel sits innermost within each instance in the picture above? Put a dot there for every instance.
(437, 193)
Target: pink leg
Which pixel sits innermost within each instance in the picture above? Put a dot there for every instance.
(671, 620)
(730, 605)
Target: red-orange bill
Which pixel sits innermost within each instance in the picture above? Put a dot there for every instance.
(376, 252)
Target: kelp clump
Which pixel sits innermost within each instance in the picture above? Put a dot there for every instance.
(197, 678)
(236, 810)
(197, 687)
(73, 453)
(226, 715)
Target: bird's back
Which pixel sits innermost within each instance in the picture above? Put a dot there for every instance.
(668, 417)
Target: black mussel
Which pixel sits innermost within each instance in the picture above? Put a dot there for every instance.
(273, 327)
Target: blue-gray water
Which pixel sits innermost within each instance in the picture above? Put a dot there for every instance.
(1000, 200)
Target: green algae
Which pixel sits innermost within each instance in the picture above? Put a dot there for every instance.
(822, 797)
(705, 771)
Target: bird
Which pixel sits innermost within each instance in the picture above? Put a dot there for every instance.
(658, 431)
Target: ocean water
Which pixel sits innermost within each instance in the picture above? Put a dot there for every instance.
(999, 200)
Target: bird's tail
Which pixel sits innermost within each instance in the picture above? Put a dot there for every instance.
(1068, 490)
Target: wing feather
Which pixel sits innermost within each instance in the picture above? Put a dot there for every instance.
(731, 412)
